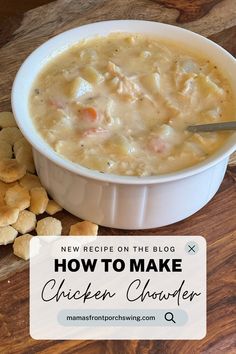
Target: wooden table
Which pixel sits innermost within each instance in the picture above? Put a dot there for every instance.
(19, 35)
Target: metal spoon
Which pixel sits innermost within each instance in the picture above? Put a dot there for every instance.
(212, 127)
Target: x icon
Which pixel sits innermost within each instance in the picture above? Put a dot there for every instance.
(191, 248)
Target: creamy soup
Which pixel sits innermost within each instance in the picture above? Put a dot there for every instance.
(121, 104)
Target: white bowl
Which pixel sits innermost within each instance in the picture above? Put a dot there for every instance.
(121, 201)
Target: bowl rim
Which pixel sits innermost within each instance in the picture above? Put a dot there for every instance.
(223, 153)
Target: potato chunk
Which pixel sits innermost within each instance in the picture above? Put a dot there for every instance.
(92, 75)
(120, 145)
(83, 228)
(7, 235)
(79, 87)
(26, 222)
(152, 82)
(39, 200)
(49, 227)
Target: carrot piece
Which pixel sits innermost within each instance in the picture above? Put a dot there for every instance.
(89, 113)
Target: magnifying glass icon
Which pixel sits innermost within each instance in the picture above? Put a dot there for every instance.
(169, 317)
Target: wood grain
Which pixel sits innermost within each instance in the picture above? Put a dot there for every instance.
(12, 15)
(226, 39)
(21, 34)
(189, 10)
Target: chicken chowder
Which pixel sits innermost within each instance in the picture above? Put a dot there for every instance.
(121, 104)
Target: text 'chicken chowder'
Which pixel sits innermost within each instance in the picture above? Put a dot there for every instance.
(121, 104)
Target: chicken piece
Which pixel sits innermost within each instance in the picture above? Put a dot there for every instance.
(125, 86)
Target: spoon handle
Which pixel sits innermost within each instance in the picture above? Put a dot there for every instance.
(213, 127)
